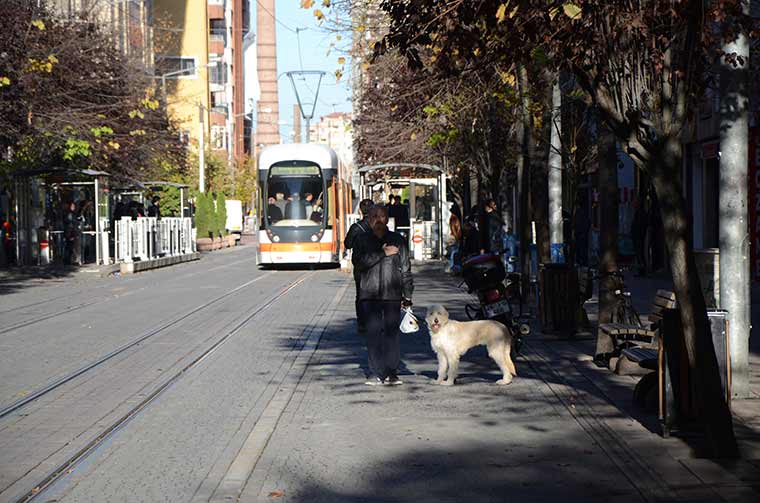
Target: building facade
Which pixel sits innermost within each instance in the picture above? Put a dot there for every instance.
(182, 65)
(130, 22)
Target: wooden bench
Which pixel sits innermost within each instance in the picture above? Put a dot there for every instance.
(622, 333)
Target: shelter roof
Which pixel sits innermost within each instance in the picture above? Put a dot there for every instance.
(58, 171)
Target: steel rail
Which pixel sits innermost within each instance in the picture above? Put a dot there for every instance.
(76, 373)
(76, 307)
(66, 467)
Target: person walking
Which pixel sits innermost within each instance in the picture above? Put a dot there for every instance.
(385, 286)
(354, 232)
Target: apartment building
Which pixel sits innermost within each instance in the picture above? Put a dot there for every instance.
(335, 130)
(229, 22)
(182, 65)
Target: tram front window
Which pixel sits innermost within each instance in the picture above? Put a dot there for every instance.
(295, 196)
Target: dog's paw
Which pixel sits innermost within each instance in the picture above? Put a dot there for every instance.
(447, 383)
(504, 382)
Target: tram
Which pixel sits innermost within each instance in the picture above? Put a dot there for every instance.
(303, 205)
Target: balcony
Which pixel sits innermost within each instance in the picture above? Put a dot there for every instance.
(216, 9)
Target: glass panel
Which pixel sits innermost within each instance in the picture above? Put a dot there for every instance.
(295, 197)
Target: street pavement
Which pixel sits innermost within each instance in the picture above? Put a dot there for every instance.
(280, 412)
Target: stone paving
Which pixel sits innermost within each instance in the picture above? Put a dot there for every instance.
(281, 412)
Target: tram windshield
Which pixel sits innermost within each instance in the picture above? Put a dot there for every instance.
(295, 196)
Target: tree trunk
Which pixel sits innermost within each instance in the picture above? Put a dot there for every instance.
(711, 407)
(608, 237)
(525, 129)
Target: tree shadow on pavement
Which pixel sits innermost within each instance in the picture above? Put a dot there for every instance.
(14, 279)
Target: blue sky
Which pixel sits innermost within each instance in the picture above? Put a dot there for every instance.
(315, 44)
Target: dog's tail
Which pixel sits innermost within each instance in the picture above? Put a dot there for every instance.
(508, 359)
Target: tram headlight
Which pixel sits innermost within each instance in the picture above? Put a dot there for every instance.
(276, 239)
(314, 238)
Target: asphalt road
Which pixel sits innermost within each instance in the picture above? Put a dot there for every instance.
(56, 328)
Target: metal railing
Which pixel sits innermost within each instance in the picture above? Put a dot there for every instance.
(149, 238)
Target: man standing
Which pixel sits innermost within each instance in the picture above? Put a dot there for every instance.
(354, 232)
(381, 258)
(154, 210)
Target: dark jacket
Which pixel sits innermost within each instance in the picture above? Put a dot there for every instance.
(356, 230)
(382, 277)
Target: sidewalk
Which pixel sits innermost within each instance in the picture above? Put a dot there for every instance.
(564, 430)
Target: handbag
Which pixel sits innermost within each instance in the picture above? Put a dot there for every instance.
(409, 323)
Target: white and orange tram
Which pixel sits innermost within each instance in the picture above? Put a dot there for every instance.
(303, 205)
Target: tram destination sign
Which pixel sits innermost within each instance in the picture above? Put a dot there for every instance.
(302, 170)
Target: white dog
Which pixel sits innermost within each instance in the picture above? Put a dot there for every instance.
(451, 339)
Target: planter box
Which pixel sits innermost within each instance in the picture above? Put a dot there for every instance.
(204, 244)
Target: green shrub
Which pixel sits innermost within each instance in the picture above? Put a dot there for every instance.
(221, 214)
(204, 215)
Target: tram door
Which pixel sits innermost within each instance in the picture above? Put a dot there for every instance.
(424, 212)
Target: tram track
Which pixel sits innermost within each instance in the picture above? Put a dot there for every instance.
(76, 307)
(31, 397)
(104, 434)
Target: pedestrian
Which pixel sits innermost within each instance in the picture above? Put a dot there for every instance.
(455, 239)
(154, 210)
(385, 286)
(638, 235)
(73, 235)
(495, 227)
(354, 232)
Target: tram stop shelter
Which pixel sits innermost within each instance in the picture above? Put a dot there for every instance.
(45, 202)
(422, 188)
(141, 192)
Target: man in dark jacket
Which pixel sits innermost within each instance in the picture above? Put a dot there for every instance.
(385, 285)
(356, 230)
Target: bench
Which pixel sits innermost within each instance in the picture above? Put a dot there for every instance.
(622, 333)
(636, 345)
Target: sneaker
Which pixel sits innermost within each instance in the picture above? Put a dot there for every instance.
(393, 380)
(374, 381)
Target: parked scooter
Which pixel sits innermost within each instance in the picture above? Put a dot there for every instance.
(486, 277)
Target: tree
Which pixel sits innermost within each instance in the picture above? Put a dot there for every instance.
(69, 97)
(642, 66)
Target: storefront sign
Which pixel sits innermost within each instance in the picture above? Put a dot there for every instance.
(710, 150)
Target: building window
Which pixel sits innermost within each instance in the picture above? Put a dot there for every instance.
(218, 30)
(219, 101)
(175, 67)
(184, 136)
(218, 74)
(218, 137)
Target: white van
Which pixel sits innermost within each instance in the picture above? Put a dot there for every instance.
(234, 216)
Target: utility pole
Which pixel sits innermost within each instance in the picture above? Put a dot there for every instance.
(306, 114)
(733, 224)
(555, 178)
(201, 149)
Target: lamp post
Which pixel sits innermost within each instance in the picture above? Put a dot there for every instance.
(201, 122)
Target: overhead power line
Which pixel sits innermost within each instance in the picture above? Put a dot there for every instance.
(275, 18)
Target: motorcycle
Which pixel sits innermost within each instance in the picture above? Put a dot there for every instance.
(496, 291)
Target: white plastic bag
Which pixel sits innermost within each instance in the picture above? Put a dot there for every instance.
(409, 322)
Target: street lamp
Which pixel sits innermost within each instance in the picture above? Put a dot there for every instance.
(201, 123)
